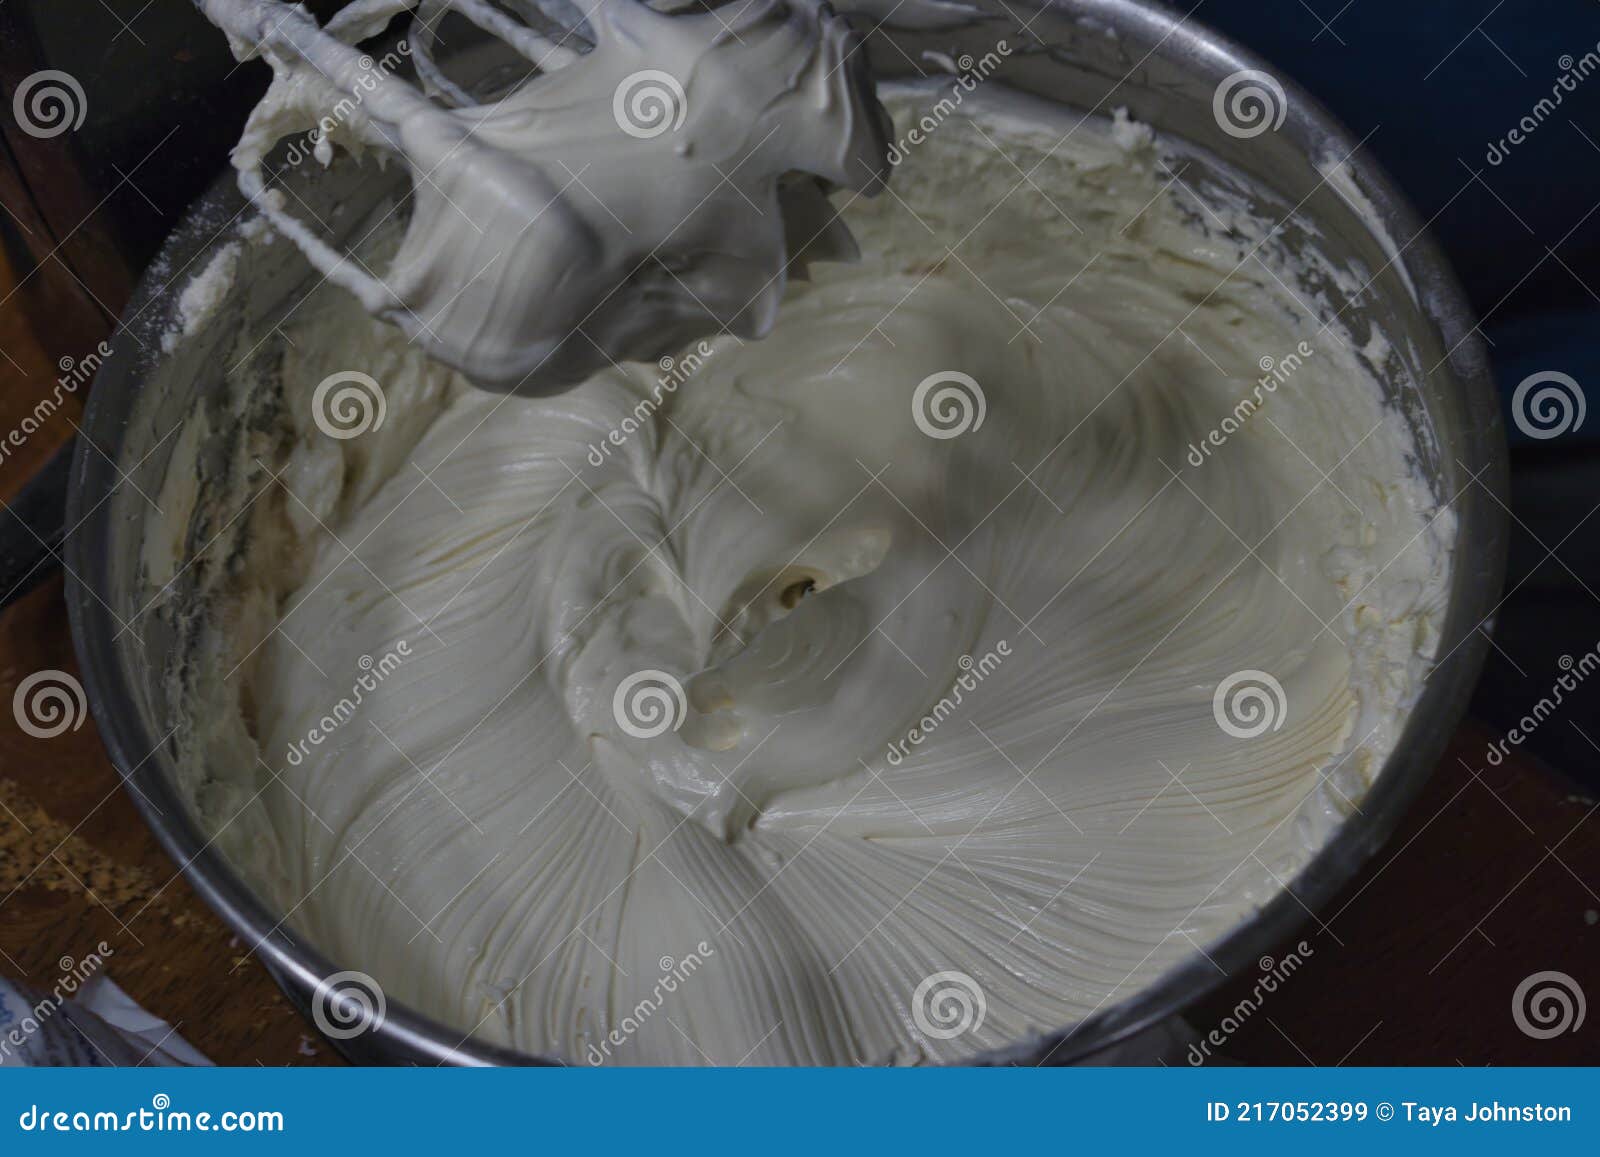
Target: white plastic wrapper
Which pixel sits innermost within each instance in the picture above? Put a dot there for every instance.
(99, 1026)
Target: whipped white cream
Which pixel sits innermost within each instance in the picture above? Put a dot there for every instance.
(992, 697)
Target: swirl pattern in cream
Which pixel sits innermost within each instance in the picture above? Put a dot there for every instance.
(853, 680)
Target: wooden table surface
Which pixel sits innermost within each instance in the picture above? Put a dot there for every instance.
(1493, 875)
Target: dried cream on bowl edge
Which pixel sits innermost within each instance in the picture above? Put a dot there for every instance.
(939, 670)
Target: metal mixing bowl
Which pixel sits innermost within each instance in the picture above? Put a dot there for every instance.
(1090, 54)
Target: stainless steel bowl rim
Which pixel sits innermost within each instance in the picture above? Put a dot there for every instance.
(406, 1035)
